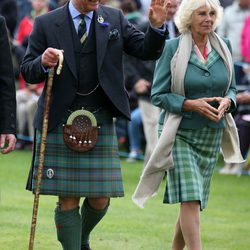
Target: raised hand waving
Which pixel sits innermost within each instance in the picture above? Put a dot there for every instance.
(158, 12)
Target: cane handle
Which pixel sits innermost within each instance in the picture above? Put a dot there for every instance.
(60, 63)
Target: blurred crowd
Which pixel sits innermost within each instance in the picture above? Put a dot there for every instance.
(138, 137)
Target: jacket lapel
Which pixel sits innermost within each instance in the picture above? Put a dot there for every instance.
(102, 32)
(65, 40)
(212, 58)
(196, 61)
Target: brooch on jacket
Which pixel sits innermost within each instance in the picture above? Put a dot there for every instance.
(114, 34)
(100, 20)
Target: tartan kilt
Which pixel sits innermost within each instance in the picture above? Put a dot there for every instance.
(195, 155)
(67, 173)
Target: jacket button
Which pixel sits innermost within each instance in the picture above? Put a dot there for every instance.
(207, 74)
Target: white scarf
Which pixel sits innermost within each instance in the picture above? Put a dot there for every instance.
(161, 158)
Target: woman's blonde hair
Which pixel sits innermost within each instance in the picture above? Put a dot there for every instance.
(183, 16)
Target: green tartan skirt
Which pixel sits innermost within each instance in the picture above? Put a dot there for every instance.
(195, 154)
(67, 173)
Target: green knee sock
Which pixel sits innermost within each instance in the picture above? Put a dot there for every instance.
(68, 224)
(90, 218)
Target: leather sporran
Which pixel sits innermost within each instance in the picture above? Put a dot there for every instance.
(80, 132)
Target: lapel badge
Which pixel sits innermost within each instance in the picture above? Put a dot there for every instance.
(50, 173)
(100, 19)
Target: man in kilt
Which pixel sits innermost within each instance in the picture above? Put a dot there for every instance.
(93, 38)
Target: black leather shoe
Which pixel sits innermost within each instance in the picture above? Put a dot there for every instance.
(86, 247)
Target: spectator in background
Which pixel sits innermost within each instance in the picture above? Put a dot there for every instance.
(231, 27)
(242, 117)
(225, 3)
(26, 24)
(242, 120)
(135, 133)
(8, 9)
(26, 107)
(27, 95)
(245, 41)
(139, 75)
(25, 6)
(136, 136)
(173, 30)
(131, 11)
(7, 94)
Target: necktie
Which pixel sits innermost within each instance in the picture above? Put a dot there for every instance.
(82, 30)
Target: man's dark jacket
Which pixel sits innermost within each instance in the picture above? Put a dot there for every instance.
(53, 30)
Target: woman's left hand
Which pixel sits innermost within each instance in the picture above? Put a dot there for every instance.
(224, 106)
(158, 12)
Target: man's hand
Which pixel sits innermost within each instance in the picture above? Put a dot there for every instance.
(7, 143)
(142, 86)
(50, 58)
(158, 12)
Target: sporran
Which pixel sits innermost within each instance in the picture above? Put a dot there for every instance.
(80, 131)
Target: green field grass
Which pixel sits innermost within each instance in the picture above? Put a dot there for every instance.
(225, 222)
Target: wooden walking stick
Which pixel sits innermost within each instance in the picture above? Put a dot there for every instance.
(42, 147)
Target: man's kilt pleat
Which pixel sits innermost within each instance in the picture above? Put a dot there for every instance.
(195, 154)
(66, 173)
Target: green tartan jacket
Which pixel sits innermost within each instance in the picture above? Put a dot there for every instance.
(201, 80)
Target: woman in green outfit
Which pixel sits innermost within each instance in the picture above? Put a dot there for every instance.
(194, 85)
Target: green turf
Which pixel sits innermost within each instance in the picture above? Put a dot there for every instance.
(225, 223)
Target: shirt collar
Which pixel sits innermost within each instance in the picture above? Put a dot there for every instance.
(75, 13)
(199, 54)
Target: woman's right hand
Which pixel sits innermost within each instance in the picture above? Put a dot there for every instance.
(202, 106)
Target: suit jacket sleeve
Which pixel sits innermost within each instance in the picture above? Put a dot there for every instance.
(131, 73)
(7, 85)
(148, 46)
